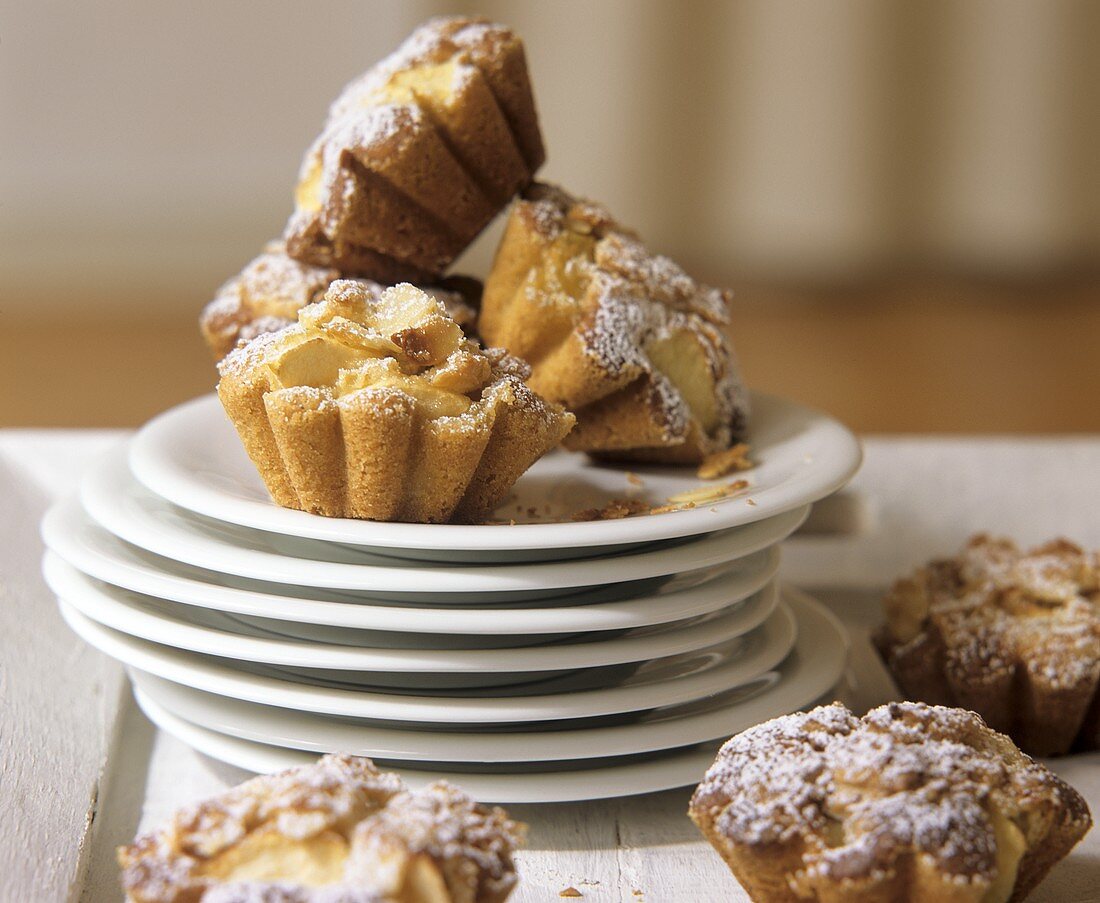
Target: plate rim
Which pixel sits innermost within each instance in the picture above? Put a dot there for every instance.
(677, 769)
(424, 708)
(108, 484)
(61, 539)
(176, 484)
(828, 661)
(744, 616)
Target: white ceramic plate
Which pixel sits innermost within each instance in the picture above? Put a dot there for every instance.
(79, 541)
(815, 665)
(673, 681)
(213, 633)
(118, 502)
(191, 456)
(644, 775)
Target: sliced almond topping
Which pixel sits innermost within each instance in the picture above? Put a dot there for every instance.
(721, 463)
(708, 493)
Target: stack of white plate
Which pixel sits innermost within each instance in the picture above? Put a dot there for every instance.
(535, 659)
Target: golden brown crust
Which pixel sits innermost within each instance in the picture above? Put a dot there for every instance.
(339, 831)
(418, 154)
(1014, 636)
(909, 803)
(376, 407)
(268, 293)
(622, 337)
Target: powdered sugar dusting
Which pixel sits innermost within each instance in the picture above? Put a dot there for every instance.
(999, 609)
(856, 797)
(635, 299)
(472, 844)
(245, 359)
(399, 376)
(265, 296)
(623, 320)
(378, 122)
(383, 824)
(660, 278)
(376, 131)
(268, 293)
(335, 794)
(664, 397)
(436, 41)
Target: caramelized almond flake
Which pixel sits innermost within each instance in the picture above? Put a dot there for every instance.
(665, 509)
(708, 493)
(721, 463)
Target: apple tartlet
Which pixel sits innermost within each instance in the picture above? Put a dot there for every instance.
(1013, 635)
(268, 293)
(378, 407)
(339, 831)
(418, 154)
(624, 338)
(909, 803)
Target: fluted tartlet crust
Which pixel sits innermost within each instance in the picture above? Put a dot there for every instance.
(635, 347)
(339, 831)
(268, 293)
(377, 407)
(418, 154)
(910, 803)
(1013, 635)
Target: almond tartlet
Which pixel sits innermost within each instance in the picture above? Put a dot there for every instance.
(268, 293)
(418, 154)
(909, 803)
(1013, 635)
(339, 831)
(378, 407)
(624, 338)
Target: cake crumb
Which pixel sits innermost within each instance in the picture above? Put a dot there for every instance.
(570, 892)
(750, 502)
(613, 510)
(721, 463)
(633, 479)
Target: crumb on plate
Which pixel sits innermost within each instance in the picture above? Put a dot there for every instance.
(721, 463)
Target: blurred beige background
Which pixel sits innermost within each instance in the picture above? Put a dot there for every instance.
(905, 196)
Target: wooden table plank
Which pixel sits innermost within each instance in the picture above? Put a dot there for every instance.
(60, 703)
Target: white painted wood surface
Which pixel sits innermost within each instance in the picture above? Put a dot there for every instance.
(82, 771)
(59, 702)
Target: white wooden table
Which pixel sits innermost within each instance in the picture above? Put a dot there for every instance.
(81, 770)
